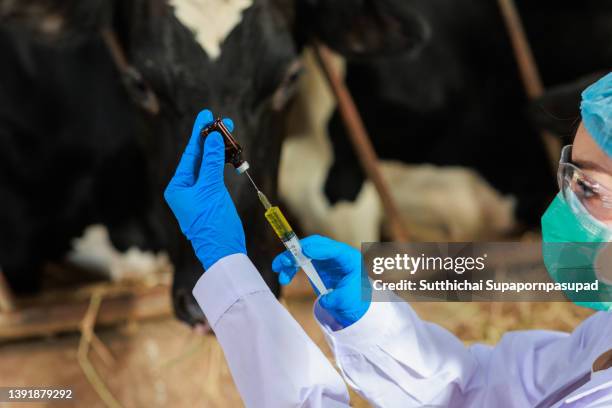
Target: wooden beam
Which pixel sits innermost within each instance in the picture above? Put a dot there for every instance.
(362, 144)
(47, 319)
(528, 70)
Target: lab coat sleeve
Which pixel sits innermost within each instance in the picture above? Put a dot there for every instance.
(394, 359)
(272, 360)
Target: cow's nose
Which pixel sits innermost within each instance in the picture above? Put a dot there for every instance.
(187, 310)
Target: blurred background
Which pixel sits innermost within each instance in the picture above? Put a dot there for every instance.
(466, 103)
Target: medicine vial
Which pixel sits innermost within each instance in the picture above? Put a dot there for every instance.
(233, 150)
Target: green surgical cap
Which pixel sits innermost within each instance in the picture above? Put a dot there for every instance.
(596, 108)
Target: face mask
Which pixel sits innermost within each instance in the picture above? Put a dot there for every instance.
(562, 225)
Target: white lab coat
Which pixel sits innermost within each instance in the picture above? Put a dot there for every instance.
(391, 357)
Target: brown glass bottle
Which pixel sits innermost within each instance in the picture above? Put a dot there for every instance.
(233, 150)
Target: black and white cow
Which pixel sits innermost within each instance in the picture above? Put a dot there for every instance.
(461, 102)
(75, 150)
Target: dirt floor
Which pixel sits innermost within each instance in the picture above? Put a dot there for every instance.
(162, 363)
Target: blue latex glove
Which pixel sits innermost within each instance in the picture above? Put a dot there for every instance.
(339, 266)
(199, 199)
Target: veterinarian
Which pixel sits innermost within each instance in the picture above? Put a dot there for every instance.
(383, 350)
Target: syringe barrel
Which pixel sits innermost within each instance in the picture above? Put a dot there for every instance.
(278, 222)
(293, 245)
(284, 231)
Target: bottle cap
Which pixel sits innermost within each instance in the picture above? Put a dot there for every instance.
(243, 167)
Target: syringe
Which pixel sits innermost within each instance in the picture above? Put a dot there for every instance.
(233, 156)
(284, 231)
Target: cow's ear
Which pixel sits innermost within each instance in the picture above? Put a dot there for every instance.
(558, 109)
(364, 28)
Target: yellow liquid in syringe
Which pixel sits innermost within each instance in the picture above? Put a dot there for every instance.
(275, 218)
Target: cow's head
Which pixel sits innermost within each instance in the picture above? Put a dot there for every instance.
(241, 59)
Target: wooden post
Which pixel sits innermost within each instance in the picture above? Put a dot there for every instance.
(361, 142)
(7, 302)
(530, 75)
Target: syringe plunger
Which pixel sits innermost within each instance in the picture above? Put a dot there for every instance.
(293, 245)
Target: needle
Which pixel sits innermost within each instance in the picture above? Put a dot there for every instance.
(262, 197)
(252, 182)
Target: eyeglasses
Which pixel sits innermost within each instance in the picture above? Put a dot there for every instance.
(593, 196)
